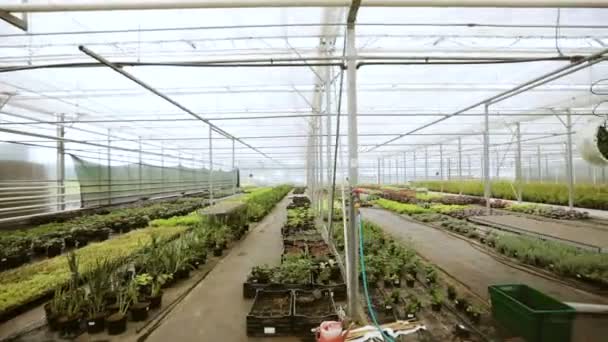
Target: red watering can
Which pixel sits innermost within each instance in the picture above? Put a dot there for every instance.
(331, 331)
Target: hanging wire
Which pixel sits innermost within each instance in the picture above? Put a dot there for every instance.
(335, 163)
(557, 31)
(600, 93)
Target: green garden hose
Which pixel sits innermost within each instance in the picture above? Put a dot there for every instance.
(370, 309)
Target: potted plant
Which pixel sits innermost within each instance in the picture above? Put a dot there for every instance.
(260, 274)
(387, 304)
(473, 313)
(412, 307)
(53, 247)
(53, 308)
(98, 281)
(117, 321)
(451, 292)
(138, 307)
(156, 292)
(324, 275)
(430, 275)
(461, 303)
(39, 246)
(409, 280)
(436, 300)
(71, 312)
(144, 283)
(395, 295)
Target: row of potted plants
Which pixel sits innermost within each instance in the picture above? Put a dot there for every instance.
(592, 196)
(25, 286)
(260, 201)
(18, 247)
(564, 260)
(114, 292)
(393, 269)
(548, 211)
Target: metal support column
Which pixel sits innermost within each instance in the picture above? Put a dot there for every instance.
(109, 167)
(518, 180)
(210, 180)
(60, 164)
(233, 170)
(320, 156)
(540, 169)
(497, 164)
(459, 159)
(414, 166)
(449, 169)
(486, 158)
(378, 172)
(162, 165)
(570, 164)
(139, 166)
(404, 167)
(390, 171)
(547, 173)
(352, 232)
(426, 163)
(441, 162)
(328, 123)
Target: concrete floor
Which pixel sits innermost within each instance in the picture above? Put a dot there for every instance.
(472, 267)
(215, 310)
(584, 235)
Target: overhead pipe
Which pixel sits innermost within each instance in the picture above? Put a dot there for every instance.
(578, 65)
(82, 6)
(225, 134)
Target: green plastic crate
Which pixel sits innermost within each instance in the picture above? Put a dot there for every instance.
(530, 313)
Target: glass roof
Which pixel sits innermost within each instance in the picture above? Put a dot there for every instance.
(272, 107)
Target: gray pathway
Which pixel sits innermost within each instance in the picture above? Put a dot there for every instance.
(472, 267)
(215, 310)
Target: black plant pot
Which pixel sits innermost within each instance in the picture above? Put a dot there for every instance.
(69, 327)
(69, 242)
(460, 305)
(217, 251)
(139, 311)
(39, 250)
(53, 251)
(103, 234)
(116, 324)
(156, 302)
(125, 229)
(409, 283)
(96, 324)
(184, 273)
(475, 318)
(436, 306)
(388, 309)
(81, 242)
(451, 296)
(51, 318)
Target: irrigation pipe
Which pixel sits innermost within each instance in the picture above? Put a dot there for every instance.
(370, 309)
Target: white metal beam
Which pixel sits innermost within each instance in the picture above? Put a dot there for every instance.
(82, 6)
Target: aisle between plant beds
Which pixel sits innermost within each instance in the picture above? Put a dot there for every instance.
(160, 264)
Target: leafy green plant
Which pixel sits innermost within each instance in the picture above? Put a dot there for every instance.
(592, 196)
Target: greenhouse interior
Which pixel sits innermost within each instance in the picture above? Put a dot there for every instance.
(308, 170)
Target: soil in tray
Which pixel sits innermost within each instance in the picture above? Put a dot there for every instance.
(271, 306)
(314, 304)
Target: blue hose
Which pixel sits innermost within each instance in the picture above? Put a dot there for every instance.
(370, 309)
